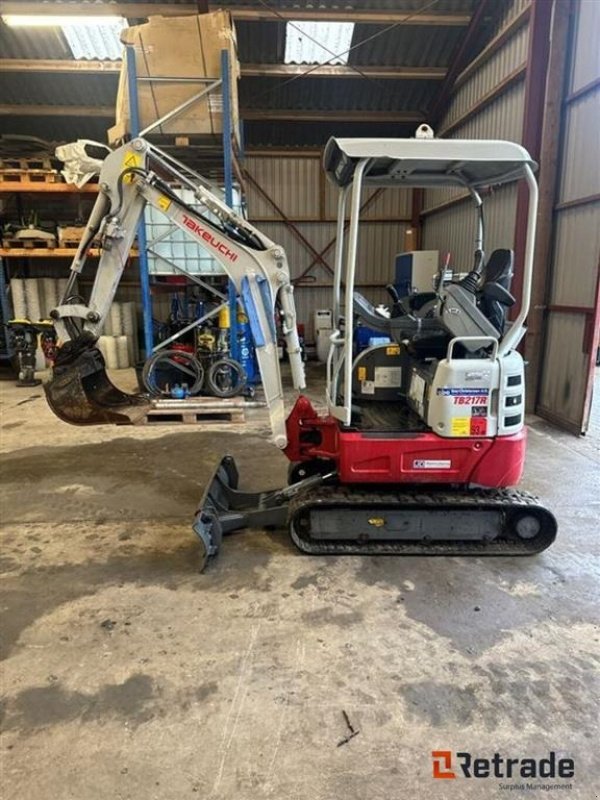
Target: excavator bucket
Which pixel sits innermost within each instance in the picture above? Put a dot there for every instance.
(81, 393)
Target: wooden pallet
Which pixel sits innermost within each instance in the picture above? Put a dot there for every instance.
(28, 244)
(29, 176)
(18, 164)
(69, 238)
(73, 244)
(195, 411)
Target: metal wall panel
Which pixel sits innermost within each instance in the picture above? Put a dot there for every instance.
(586, 50)
(565, 372)
(378, 245)
(294, 184)
(571, 334)
(576, 249)
(454, 229)
(580, 175)
(505, 61)
(391, 203)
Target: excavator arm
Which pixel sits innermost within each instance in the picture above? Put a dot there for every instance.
(132, 177)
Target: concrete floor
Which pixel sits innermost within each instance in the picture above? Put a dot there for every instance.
(128, 675)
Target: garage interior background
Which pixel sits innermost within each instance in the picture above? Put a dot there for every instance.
(513, 69)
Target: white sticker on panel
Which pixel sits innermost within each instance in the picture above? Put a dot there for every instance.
(367, 387)
(388, 377)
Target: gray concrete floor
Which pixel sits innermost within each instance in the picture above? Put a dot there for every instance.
(128, 675)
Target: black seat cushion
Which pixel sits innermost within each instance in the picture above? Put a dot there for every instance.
(499, 270)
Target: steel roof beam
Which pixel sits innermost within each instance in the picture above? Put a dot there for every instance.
(241, 13)
(343, 71)
(253, 114)
(52, 65)
(248, 70)
(359, 16)
(16, 110)
(329, 115)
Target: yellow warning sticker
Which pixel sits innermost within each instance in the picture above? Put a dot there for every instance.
(362, 373)
(163, 202)
(131, 159)
(461, 426)
(394, 350)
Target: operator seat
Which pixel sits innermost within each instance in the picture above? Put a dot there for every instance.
(495, 297)
(472, 312)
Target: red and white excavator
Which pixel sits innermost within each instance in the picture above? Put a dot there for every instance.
(423, 436)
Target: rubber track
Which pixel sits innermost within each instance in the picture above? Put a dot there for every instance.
(459, 503)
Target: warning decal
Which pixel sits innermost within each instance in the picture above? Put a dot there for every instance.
(131, 160)
(478, 426)
(367, 387)
(460, 426)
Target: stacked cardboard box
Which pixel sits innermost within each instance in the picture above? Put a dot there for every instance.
(179, 47)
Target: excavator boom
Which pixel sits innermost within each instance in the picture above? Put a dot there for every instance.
(132, 177)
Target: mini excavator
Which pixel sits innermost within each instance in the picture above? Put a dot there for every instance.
(423, 436)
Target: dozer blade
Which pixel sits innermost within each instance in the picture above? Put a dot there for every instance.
(224, 509)
(81, 393)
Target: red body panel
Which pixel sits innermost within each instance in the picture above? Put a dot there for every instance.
(364, 457)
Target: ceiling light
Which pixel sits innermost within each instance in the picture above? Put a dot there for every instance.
(318, 42)
(87, 37)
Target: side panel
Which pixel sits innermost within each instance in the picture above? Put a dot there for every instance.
(427, 458)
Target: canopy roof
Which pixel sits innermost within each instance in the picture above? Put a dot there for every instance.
(426, 162)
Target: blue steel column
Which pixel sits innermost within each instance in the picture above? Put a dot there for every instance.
(134, 117)
(228, 170)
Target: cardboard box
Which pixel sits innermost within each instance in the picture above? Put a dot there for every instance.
(179, 47)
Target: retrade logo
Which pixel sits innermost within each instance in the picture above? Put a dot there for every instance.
(442, 764)
(448, 765)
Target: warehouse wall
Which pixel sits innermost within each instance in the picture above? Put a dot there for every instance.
(571, 335)
(487, 103)
(298, 187)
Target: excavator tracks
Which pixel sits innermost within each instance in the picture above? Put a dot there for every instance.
(344, 521)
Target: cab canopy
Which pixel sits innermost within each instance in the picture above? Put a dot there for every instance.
(472, 163)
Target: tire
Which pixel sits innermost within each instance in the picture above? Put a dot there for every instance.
(226, 378)
(167, 367)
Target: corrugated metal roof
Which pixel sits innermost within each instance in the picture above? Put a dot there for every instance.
(57, 129)
(33, 43)
(401, 46)
(264, 43)
(261, 42)
(299, 134)
(98, 40)
(352, 94)
(44, 89)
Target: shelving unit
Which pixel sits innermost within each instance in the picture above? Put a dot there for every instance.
(226, 153)
(56, 252)
(217, 157)
(12, 187)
